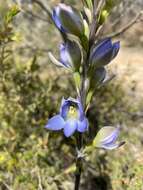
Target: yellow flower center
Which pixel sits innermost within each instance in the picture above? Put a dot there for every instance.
(72, 113)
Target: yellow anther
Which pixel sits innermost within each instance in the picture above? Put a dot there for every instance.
(72, 110)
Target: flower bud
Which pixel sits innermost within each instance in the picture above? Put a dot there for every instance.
(70, 54)
(107, 137)
(103, 53)
(68, 19)
(97, 77)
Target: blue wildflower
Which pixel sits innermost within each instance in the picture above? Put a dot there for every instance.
(71, 118)
(103, 53)
(107, 138)
(68, 19)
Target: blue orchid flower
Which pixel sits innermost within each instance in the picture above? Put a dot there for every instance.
(71, 118)
(68, 19)
(107, 138)
(103, 53)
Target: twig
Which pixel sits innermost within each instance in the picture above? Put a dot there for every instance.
(93, 24)
(7, 186)
(39, 181)
(47, 10)
(125, 28)
(34, 49)
(35, 16)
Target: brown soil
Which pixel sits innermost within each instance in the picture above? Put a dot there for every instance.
(129, 69)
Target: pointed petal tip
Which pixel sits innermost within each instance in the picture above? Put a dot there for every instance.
(55, 123)
(70, 127)
(83, 125)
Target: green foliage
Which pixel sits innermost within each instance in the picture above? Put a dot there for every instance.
(14, 10)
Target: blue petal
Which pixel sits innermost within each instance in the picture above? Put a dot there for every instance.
(64, 55)
(111, 138)
(70, 127)
(56, 19)
(64, 108)
(83, 125)
(101, 48)
(55, 123)
(111, 146)
(80, 110)
(104, 52)
(116, 47)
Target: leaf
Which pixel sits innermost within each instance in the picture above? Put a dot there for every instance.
(70, 169)
(14, 10)
(77, 79)
(88, 14)
(89, 96)
(89, 4)
(86, 28)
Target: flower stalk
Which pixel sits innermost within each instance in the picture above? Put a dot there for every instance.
(86, 58)
(78, 163)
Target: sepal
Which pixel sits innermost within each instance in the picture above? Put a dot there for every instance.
(55, 61)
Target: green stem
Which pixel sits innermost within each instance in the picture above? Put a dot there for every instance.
(78, 162)
(77, 177)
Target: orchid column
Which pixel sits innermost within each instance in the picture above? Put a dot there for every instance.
(85, 55)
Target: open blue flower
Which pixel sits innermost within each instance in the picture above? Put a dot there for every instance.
(70, 118)
(104, 52)
(68, 20)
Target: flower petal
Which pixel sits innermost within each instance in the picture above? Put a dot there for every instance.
(113, 146)
(70, 127)
(56, 19)
(102, 47)
(55, 61)
(64, 56)
(104, 52)
(64, 108)
(55, 123)
(116, 47)
(110, 146)
(112, 137)
(83, 125)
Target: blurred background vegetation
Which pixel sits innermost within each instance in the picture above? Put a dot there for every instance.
(31, 88)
